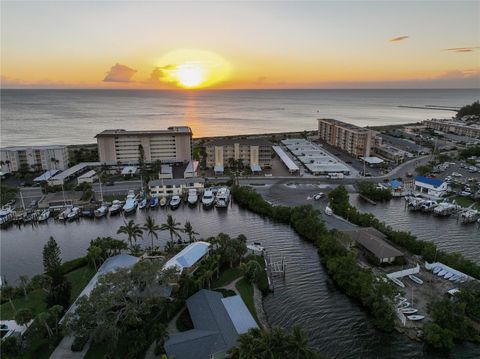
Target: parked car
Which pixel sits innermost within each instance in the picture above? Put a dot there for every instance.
(109, 183)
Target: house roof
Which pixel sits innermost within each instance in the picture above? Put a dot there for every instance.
(395, 183)
(188, 256)
(46, 176)
(175, 181)
(375, 242)
(218, 322)
(372, 160)
(431, 181)
(241, 141)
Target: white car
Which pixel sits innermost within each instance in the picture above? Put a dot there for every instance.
(456, 174)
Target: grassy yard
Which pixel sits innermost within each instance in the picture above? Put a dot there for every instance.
(36, 299)
(465, 202)
(246, 292)
(227, 276)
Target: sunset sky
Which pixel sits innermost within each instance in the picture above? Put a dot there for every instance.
(359, 44)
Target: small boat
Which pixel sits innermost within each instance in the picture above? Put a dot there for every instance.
(448, 275)
(6, 215)
(428, 206)
(115, 208)
(436, 270)
(163, 201)
(403, 305)
(101, 211)
(142, 204)
(64, 214)
(415, 317)
(208, 198)
(175, 202)
(328, 211)
(442, 273)
(415, 279)
(401, 299)
(408, 310)
(130, 205)
(44, 215)
(88, 213)
(222, 198)
(153, 202)
(454, 277)
(318, 196)
(398, 282)
(192, 196)
(74, 214)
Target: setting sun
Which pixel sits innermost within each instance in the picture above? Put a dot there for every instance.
(192, 69)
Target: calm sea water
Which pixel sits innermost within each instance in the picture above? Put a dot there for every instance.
(76, 116)
(337, 325)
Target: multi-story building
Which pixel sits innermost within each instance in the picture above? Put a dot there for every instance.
(254, 153)
(171, 145)
(34, 158)
(354, 140)
(391, 153)
(456, 127)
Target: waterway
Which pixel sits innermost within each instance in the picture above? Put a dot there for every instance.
(338, 326)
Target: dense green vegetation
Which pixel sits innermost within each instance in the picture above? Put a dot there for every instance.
(7, 194)
(82, 154)
(339, 202)
(275, 344)
(424, 170)
(473, 109)
(376, 296)
(373, 192)
(470, 151)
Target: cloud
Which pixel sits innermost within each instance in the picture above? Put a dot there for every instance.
(463, 49)
(160, 74)
(119, 73)
(398, 38)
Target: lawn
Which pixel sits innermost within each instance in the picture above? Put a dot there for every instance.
(36, 299)
(246, 292)
(227, 276)
(465, 202)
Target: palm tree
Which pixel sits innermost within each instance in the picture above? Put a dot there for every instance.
(151, 228)
(43, 319)
(132, 230)
(188, 229)
(172, 227)
(8, 292)
(24, 281)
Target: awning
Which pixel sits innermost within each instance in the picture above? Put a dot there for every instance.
(255, 168)
(218, 169)
(46, 176)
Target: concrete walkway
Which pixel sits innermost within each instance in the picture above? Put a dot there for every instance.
(63, 351)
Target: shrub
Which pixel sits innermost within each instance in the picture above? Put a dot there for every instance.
(79, 343)
(76, 263)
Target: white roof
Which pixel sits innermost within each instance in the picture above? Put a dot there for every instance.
(372, 160)
(218, 168)
(284, 157)
(192, 166)
(129, 170)
(46, 176)
(73, 170)
(89, 174)
(188, 256)
(255, 168)
(166, 169)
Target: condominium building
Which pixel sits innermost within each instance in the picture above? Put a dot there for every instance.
(456, 127)
(354, 140)
(34, 158)
(171, 145)
(252, 152)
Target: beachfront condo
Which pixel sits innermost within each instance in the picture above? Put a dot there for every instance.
(171, 145)
(33, 158)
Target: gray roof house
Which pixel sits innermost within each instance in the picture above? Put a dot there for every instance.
(217, 321)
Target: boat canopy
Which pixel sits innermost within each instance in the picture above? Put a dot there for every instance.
(218, 169)
(255, 168)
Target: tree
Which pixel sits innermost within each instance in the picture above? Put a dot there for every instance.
(132, 230)
(43, 319)
(172, 227)
(56, 313)
(51, 257)
(94, 254)
(151, 228)
(8, 292)
(188, 229)
(439, 337)
(24, 282)
(41, 281)
(252, 270)
(23, 316)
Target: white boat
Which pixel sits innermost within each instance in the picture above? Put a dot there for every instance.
(436, 270)
(401, 299)
(398, 282)
(445, 209)
(428, 206)
(408, 310)
(415, 317)
(222, 198)
(63, 215)
(6, 214)
(162, 202)
(142, 204)
(115, 208)
(192, 196)
(44, 215)
(74, 213)
(328, 211)
(208, 198)
(403, 305)
(448, 275)
(131, 203)
(318, 196)
(442, 273)
(414, 203)
(175, 202)
(469, 216)
(453, 278)
(415, 279)
(101, 211)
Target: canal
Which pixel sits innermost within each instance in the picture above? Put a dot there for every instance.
(338, 326)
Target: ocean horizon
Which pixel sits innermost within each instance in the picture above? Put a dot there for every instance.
(75, 116)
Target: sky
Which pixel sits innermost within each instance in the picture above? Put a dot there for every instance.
(240, 44)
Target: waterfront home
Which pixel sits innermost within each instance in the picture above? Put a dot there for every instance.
(375, 244)
(171, 187)
(430, 187)
(188, 257)
(217, 324)
(396, 187)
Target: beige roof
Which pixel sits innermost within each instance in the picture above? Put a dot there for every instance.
(375, 242)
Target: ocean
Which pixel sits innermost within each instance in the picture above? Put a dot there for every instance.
(42, 117)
